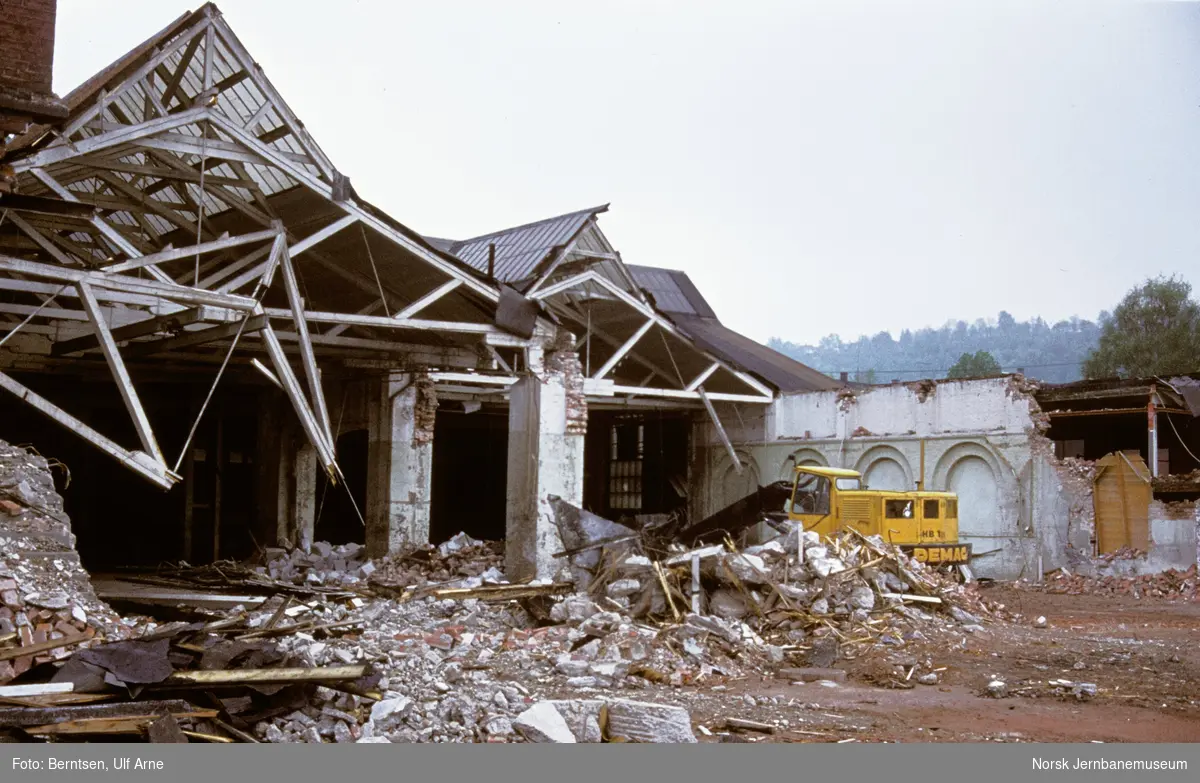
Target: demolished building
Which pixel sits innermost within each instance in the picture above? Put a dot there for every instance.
(198, 301)
(223, 351)
(1022, 457)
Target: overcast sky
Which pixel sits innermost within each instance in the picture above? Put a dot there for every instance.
(816, 167)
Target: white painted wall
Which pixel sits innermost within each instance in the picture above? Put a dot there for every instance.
(886, 473)
(1173, 535)
(988, 405)
(977, 437)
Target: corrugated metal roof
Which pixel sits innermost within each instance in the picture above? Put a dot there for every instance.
(519, 250)
(443, 245)
(782, 372)
(240, 100)
(676, 295)
(672, 290)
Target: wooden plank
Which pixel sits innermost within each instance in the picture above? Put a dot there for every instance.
(35, 689)
(38, 649)
(265, 676)
(500, 592)
(206, 737)
(199, 337)
(662, 580)
(116, 590)
(925, 599)
(56, 699)
(147, 710)
(134, 724)
(749, 725)
(169, 322)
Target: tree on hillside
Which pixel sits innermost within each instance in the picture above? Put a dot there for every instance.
(975, 365)
(1049, 352)
(1155, 330)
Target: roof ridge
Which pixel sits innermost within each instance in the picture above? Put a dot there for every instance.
(593, 210)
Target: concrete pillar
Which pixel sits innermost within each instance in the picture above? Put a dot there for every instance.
(401, 414)
(304, 495)
(274, 459)
(547, 422)
(287, 476)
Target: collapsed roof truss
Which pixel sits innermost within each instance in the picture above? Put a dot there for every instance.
(155, 206)
(570, 298)
(188, 212)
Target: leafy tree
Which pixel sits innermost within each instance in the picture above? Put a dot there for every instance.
(975, 365)
(1155, 330)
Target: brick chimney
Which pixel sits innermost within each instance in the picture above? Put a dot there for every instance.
(27, 64)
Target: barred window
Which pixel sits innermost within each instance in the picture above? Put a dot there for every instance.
(627, 447)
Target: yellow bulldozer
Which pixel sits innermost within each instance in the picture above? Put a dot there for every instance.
(824, 500)
(922, 523)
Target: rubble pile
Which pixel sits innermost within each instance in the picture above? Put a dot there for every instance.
(1171, 584)
(343, 565)
(46, 600)
(461, 561)
(211, 681)
(1124, 553)
(435, 645)
(1081, 469)
(690, 616)
(1186, 483)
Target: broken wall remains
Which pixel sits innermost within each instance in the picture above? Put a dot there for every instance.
(980, 439)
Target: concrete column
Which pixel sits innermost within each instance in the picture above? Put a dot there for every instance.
(547, 422)
(401, 414)
(274, 459)
(287, 477)
(304, 496)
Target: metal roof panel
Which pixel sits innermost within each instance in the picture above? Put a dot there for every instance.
(520, 249)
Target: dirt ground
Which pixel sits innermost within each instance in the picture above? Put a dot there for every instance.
(1143, 656)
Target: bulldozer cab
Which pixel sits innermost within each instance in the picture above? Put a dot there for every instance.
(924, 523)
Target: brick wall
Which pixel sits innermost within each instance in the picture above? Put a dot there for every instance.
(27, 44)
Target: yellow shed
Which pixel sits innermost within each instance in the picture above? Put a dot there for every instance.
(1122, 500)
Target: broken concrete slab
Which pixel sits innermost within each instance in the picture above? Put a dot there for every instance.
(728, 604)
(596, 720)
(636, 721)
(583, 717)
(543, 723)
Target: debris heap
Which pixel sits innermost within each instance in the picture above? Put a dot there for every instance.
(1171, 584)
(689, 615)
(46, 600)
(435, 645)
